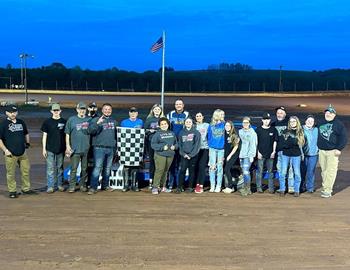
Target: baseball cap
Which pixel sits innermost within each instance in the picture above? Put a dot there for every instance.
(81, 105)
(93, 105)
(330, 109)
(281, 108)
(55, 107)
(11, 108)
(266, 115)
(133, 109)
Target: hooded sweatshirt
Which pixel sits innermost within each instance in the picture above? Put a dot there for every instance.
(162, 138)
(249, 142)
(105, 133)
(216, 136)
(189, 142)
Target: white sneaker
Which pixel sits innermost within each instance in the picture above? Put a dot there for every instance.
(211, 189)
(326, 195)
(217, 190)
(227, 190)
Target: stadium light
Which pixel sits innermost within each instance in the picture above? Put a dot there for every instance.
(23, 58)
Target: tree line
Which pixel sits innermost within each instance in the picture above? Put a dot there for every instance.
(224, 77)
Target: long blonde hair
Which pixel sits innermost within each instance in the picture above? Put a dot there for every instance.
(299, 130)
(218, 116)
(151, 113)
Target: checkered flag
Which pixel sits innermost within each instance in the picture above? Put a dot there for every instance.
(130, 144)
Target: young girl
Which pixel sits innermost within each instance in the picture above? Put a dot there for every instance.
(203, 155)
(164, 144)
(216, 142)
(151, 126)
(189, 144)
(292, 142)
(232, 147)
(247, 153)
(310, 154)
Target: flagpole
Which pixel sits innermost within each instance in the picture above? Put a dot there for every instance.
(163, 70)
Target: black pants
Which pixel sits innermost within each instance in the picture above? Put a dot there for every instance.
(191, 165)
(227, 168)
(202, 165)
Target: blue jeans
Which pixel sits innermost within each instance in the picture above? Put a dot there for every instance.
(216, 159)
(103, 163)
(295, 164)
(308, 172)
(245, 165)
(279, 167)
(54, 169)
(260, 171)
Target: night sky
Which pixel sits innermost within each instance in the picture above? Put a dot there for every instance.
(100, 34)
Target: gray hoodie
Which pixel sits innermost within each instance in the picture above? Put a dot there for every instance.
(249, 142)
(162, 138)
(105, 133)
(189, 142)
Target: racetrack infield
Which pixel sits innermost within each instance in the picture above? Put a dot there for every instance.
(113, 230)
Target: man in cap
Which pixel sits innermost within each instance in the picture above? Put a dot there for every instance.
(132, 121)
(281, 124)
(54, 146)
(92, 110)
(77, 146)
(130, 172)
(103, 131)
(331, 141)
(92, 113)
(267, 142)
(14, 139)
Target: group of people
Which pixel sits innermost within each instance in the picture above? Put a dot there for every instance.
(178, 145)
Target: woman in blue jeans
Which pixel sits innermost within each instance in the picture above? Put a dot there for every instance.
(310, 155)
(292, 142)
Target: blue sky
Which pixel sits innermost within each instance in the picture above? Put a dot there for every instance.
(99, 34)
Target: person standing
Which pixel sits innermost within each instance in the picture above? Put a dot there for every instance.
(189, 141)
(267, 142)
(151, 126)
(103, 131)
(216, 143)
(92, 113)
(308, 165)
(203, 155)
(54, 146)
(130, 172)
(232, 149)
(281, 124)
(247, 154)
(164, 144)
(292, 153)
(14, 140)
(77, 146)
(331, 141)
(177, 119)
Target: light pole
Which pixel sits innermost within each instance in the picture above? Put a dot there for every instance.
(23, 57)
(280, 84)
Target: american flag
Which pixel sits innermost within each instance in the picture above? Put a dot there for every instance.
(158, 45)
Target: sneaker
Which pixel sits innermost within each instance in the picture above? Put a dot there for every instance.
(291, 190)
(326, 195)
(125, 189)
(178, 191)
(198, 189)
(259, 190)
(29, 192)
(217, 190)
(155, 191)
(13, 195)
(135, 189)
(60, 188)
(71, 190)
(296, 194)
(271, 191)
(212, 189)
(83, 189)
(227, 190)
(50, 190)
(92, 191)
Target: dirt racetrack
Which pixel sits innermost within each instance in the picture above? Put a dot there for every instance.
(115, 230)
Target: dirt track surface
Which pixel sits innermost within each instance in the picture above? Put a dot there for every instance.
(113, 230)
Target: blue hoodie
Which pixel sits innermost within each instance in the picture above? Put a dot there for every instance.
(216, 136)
